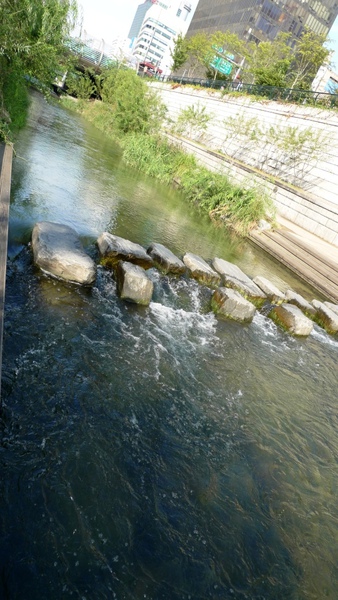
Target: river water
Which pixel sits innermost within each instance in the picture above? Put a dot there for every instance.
(154, 452)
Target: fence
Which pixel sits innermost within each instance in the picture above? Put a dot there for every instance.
(268, 91)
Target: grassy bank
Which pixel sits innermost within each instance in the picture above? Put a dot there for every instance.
(234, 206)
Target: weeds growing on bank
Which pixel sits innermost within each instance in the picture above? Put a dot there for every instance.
(238, 207)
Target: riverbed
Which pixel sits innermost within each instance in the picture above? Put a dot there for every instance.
(155, 452)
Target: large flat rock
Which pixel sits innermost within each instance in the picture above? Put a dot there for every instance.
(325, 317)
(200, 270)
(293, 298)
(114, 248)
(133, 284)
(231, 304)
(58, 251)
(332, 306)
(291, 318)
(165, 259)
(233, 277)
(270, 290)
(228, 269)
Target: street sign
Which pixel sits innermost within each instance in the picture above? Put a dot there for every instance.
(221, 65)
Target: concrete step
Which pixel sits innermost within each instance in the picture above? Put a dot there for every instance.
(310, 261)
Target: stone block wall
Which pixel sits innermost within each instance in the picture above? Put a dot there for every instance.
(314, 205)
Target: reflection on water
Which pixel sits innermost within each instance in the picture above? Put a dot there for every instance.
(153, 452)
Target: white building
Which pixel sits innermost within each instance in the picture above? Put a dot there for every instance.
(326, 80)
(155, 27)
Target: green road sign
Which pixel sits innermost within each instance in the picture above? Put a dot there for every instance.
(223, 66)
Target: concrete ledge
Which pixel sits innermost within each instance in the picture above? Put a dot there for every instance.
(6, 155)
(314, 214)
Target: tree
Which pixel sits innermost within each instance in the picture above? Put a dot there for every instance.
(180, 52)
(225, 43)
(200, 52)
(32, 35)
(310, 53)
(269, 62)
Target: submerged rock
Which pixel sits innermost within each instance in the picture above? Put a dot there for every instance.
(200, 270)
(325, 317)
(166, 259)
(133, 284)
(291, 318)
(114, 248)
(272, 292)
(58, 251)
(298, 300)
(231, 304)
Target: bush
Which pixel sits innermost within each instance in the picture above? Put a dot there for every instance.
(136, 108)
(239, 207)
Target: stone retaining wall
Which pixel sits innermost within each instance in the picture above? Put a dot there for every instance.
(315, 207)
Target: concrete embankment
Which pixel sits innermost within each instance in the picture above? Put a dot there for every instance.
(311, 257)
(6, 154)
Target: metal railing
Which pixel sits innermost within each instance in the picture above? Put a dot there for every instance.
(267, 91)
(91, 55)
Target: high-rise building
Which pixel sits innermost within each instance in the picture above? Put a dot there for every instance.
(155, 27)
(263, 19)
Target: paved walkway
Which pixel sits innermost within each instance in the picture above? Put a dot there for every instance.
(6, 153)
(310, 257)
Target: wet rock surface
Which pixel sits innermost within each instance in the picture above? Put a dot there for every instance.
(200, 270)
(165, 259)
(133, 284)
(231, 304)
(292, 319)
(58, 251)
(114, 248)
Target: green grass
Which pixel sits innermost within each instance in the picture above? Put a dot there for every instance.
(237, 207)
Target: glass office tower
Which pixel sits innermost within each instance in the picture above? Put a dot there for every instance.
(264, 19)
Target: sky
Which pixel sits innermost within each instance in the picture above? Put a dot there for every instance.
(111, 19)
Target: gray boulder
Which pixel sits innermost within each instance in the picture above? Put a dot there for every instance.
(228, 269)
(325, 317)
(133, 284)
(331, 306)
(58, 251)
(166, 259)
(114, 248)
(200, 270)
(248, 289)
(233, 277)
(272, 292)
(231, 304)
(292, 298)
(291, 318)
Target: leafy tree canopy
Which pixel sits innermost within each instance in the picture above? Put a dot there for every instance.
(32, 34)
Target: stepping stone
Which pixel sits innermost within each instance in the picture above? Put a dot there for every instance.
(292, 298)
(291, 318)
(58, 251)
(325, 317)
(333, 307)
(248, 289)
(231, 304)
(133, 284)
(228, 269)
(165, 259)
(233, 277)
(272, 292)
(200, 270)
(114, 248)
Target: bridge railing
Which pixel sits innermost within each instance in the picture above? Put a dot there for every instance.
(92, 55)
(267, 91)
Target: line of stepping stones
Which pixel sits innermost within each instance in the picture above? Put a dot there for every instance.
(58, 251)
